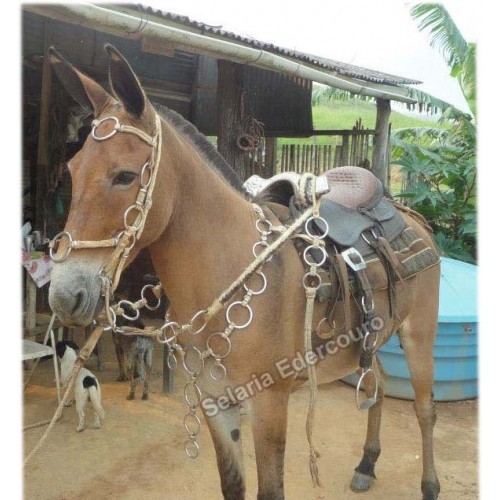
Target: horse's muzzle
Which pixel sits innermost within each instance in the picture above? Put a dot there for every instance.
(74, 294)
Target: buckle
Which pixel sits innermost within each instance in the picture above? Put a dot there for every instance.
(322, 187)
(354, 259)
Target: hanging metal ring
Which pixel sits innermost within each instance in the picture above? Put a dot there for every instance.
(130, 305)
(146, 304)
(245, 306)
(262, 289)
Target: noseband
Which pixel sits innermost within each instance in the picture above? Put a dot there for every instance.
(133, 226)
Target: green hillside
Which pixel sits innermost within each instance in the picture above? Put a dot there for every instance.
(338, 114)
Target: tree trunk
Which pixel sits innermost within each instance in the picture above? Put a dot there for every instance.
(230, 115)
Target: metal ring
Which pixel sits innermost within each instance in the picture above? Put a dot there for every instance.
(171, 361)
(174, 326)
(192, 454)
(197, 422)
(57, 237)
(194, 318)
(312, 276)
(263, 244)
(324, 256)
(228, 346)
(132, 242)
(245, 306)
(98, 123)
(201, 361)
(111, 317)
(197, 394)
(146, 305)
(262, 231)
(264, 285)
(140, 210)
(145, 167)
(129, 304)
(306, 227)
(367, 402)
(222, 371)
(365, 347)
(325, 334)
(363, 305)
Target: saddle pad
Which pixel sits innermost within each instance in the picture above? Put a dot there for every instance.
(345, 225)
(413, 253)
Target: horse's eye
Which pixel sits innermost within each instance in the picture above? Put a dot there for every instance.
(124, 178)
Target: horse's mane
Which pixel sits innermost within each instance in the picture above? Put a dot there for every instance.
(206, 149)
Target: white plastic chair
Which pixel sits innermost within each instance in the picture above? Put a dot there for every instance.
(35, 350)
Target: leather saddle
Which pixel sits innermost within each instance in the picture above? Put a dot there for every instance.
(352, 203)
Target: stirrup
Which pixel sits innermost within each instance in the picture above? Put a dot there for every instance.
(366, 403)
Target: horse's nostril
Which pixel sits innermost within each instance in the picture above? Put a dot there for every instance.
(80, 300)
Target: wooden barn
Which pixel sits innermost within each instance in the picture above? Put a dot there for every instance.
(242, 92)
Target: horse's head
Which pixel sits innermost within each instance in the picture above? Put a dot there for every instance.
(115, 169)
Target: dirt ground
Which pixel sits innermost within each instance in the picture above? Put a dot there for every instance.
(138, 453)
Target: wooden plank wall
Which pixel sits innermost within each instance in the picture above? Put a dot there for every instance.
(346, 148)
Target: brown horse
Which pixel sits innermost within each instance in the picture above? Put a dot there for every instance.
(200, 232)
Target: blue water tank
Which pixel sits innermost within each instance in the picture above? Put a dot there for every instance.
(455, 348)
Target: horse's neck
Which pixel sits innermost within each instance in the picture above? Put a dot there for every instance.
(208, 241)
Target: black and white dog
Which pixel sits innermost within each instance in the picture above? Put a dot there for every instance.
(135, 357)
(86, 385)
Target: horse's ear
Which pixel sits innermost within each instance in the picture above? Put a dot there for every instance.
(88, 93)
(124, 83)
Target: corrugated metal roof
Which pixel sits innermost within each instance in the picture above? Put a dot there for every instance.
(341, 68)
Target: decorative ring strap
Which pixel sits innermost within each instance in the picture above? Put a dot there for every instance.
(119, 127)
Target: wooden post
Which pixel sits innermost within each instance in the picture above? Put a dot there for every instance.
(271, 144)
(344, 151)
(381, 140)
(230, 115)
(43, 156)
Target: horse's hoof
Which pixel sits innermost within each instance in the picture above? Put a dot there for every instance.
(79, 429)
(145, 397)
(121, 378)
(361, 482)
(130, 397)
(430, 490)
(97, 426)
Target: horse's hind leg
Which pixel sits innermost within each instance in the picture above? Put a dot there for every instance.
(225, 428)
(417, 337)
(364, 474)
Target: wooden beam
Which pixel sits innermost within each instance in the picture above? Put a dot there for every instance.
(381, 140)
(230, 115)
(313, 133)
(43, 153)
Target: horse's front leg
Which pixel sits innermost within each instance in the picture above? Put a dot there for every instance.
(225, 428)
(269, 423)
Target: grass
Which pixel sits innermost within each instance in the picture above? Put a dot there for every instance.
(337, 114)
